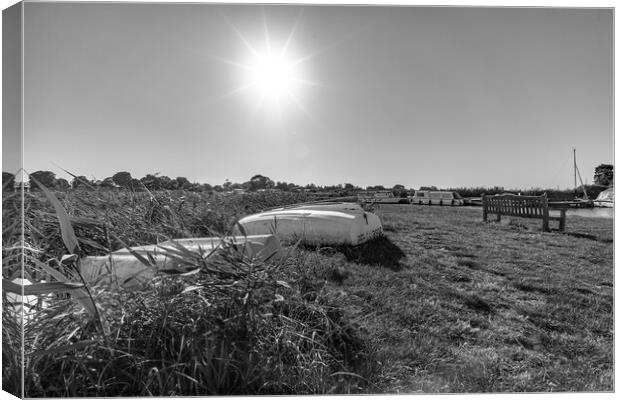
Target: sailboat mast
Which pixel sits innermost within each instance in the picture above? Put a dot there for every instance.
(574, 171)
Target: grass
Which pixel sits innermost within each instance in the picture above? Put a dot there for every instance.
(479, 307)
(233, 328)
(442, 303)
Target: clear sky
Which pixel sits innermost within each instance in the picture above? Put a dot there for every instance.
(362, 94)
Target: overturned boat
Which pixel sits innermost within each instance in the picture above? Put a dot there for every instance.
(327, 223)
(605, 198)
(131, 266)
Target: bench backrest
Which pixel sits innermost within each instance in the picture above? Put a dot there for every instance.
(515, 205)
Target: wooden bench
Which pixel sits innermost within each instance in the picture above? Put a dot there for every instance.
(522, 206)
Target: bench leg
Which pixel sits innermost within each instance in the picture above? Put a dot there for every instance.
(562, 220)
(546, 224)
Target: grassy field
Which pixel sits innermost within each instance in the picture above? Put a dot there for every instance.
(464, 306)
(442, 303)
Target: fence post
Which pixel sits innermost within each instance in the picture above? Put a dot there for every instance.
(484, 208)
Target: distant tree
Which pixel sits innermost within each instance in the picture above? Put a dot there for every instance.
(399, 191)
(107, 183)
(428, 187)
(218, 188)
(604, 175)
(333, 188)
(135, 184)
(165, 182)
(8, 180)
(349, 189)
(376, 187)
(80, 181)
(182, 183)
(122, 178)
(46, 178)
(260, 182)
(191, 187)
(282, 186)
(206, 187)
(152, 182)
(62, 184)
(156, 182)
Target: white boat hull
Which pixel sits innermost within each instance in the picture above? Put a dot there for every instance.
(608, 204)
(605, 198)
(317, 224)
(123, 268)
(23, 306)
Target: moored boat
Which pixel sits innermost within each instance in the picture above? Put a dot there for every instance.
(472, 201)
(441, 198)
(381, 197)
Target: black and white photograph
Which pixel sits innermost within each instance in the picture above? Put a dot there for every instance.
(285, 199)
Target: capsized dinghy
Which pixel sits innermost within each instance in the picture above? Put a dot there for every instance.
(605, 198)
(316, 224)
(124, 268)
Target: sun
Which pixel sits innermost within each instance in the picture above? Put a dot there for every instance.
(273, 76)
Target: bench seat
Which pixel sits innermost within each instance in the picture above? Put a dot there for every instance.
(523, 207)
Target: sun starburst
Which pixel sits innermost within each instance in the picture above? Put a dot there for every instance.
(272, 73)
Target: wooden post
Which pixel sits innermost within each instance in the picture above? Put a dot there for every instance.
(562, 220)
(545, 212)
(484, 208)
(500, 208)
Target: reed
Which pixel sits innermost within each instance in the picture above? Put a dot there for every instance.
(233, 326)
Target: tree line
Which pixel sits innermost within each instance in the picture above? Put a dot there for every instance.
(125, 180)
(603, 176)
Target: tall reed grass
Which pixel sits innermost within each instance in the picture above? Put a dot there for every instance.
(233, 326)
